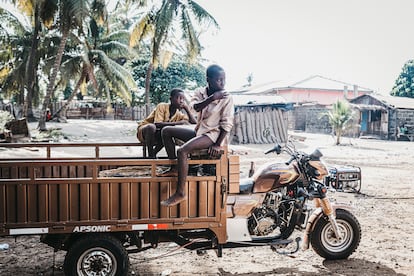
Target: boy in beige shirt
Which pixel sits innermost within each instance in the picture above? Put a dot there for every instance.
(215, 112)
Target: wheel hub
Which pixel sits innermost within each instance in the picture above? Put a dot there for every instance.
(97, 262)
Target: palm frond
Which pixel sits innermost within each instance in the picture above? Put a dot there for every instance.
(121, 36)
(27, 7)
(72, 67)
(13, 22)
(118, 78)
(201, 14)
(74, 12)
(141, 29)
(115, 49)
(189, 35)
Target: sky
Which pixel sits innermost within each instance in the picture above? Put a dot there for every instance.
(359, 42)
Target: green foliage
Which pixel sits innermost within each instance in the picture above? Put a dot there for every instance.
(404, 85)
(339, 117)
(176, 75)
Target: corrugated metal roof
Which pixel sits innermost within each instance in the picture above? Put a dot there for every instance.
(394, 102)
(320, 82)
(313, 82)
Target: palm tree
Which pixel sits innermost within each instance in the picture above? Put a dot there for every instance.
(15, 35)
(159, 24)
(31, 14)
(101, 62)
(339, 117)
(72, 14)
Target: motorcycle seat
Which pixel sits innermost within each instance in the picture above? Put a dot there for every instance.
(246, 185)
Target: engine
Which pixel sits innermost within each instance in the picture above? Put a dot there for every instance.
(265, 219)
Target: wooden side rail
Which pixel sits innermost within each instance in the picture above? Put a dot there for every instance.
(50, 147)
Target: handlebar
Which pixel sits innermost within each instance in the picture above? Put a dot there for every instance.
(292, 158)
(277, 149)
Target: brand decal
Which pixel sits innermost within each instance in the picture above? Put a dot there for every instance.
(92, 228)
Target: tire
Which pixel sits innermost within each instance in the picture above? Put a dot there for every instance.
(96, 255)
(323, 238)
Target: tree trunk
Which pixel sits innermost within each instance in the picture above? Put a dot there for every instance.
(87, 70)
(53, 75)
(63, 107)
(338, 136)
(31, 66)
(147, 88)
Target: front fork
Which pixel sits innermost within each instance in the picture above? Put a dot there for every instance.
(323, 207)
(327, 209)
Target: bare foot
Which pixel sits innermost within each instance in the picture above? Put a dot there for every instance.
(173, 200)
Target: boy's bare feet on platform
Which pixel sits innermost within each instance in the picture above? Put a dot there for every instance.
(173, 200)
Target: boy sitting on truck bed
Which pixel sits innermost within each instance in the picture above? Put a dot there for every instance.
(214, 122)
(164, 114)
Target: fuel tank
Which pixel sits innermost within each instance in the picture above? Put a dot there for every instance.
(274, 175)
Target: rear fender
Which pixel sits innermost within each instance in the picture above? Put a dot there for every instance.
(316, 215)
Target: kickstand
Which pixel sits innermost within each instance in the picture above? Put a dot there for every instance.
(276, 248)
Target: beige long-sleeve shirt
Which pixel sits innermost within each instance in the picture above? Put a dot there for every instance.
(218, 114)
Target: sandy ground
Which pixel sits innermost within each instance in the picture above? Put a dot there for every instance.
(385, 209)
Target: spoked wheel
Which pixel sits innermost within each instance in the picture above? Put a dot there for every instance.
(325, 242)
(97, 255)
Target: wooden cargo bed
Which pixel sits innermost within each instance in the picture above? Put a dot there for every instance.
(55, 195)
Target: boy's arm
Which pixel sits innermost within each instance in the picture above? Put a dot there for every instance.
(190, 115)
(215, 150)
(218, 95)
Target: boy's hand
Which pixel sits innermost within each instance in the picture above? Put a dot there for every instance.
(215, 151)
(222, 94)
(159, 125)
(184, 106)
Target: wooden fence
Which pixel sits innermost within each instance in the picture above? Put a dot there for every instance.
(259, 124)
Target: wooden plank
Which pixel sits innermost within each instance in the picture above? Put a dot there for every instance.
(43, 195)
(164, 194)
(2, 203)
(211, 191)
(135, 197)
(84, 201)
(234, 178)
(125, 201)
(32, 202)
(94, 201)
(173, 210)
(11, 207)
(202, 199)
(144, 206)
(105, 201)
(192, 199)
(22, 196)
(114, 202)
(53, 203)
(183, 206)
(74, 202)
(154, 199)
(63, 202)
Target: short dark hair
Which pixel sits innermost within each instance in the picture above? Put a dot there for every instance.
(213, 70)
(175, 91)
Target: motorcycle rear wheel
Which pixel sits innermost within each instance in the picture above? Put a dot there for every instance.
(323, 239)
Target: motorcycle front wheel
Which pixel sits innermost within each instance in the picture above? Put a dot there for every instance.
(327, 245)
